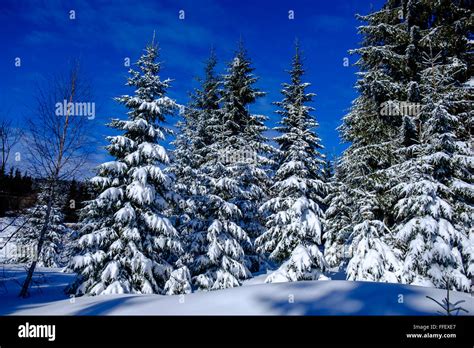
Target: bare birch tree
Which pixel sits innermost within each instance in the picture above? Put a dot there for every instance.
(57, 144)
(9, 137)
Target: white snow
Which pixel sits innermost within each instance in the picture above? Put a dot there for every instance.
(470, 82)
(8, 227)
(334, 297)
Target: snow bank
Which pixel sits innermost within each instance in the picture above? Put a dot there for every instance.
(335, 297)
(8, 226)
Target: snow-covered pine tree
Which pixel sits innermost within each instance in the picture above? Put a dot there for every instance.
(328, 169)
(206, 101)
(338, 220)
(387, 74)
(436, 163)
(194, 148)
(235, 176)
(183, 171)
(128, 243)
(194, 136)
(450, 34)
(442, 28)
(56, 238)
(368, 134)
(294, 223)
(248, 152)
(373, 256)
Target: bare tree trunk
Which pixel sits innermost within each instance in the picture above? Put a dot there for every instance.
(57, 149)
(9, 137)
(31, 270)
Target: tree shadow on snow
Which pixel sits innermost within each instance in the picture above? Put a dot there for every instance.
(342, 298)
(104, 307)
(47, 286)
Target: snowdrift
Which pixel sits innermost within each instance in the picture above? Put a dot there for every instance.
(331, 297)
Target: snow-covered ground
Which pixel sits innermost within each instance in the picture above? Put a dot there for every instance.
(334, 297)
(8, 227)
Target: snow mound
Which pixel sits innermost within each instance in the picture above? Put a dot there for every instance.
(335, 297)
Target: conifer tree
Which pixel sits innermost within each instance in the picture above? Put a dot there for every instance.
(294, 224)
(369, 128)
(246, 151)
(373, 256)
(235, 178)
(389, 80)
(53, 252)
(128, 242)
(436, 245)
(195, 149)
(430, 182)
(450, 38)
(338, 221)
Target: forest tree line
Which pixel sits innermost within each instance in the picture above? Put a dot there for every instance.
(225, 203)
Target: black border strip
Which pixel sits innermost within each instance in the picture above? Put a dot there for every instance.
(241, 330)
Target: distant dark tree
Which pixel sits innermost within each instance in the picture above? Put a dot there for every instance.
(78, 193)
(9, 137)
(328, 169)
(14, 189)
(71, 203)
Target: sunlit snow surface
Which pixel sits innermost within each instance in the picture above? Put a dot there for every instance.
(329, 297)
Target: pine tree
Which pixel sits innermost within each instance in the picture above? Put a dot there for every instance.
(430, 200)
(450, 35)
(194, 148)
(53, 252)
(295, 217)
(246, 152)
(340, 203)
(192, 145)
(179, 282)
(328, 169)
(183, 171)
(368, 130)
(128, 242)
(434, 169)
(373, 256)
(389, 80)
(235, 176)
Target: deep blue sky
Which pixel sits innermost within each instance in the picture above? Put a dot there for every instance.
(105, 32)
